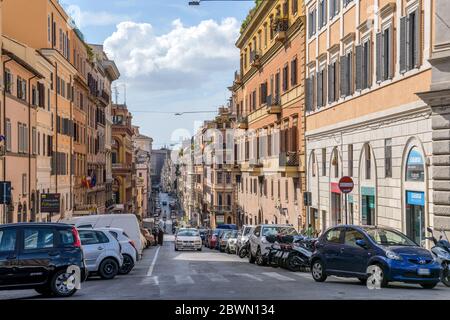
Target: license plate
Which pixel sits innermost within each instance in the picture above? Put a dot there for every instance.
(423, 272)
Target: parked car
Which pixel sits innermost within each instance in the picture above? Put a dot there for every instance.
(128, 249)
(148, 236)
(259, 246)
(223, 239)
(47, 250)
(243, 236)
(102, 252)
(230, 246)
(188, 239)
(127, 222)
(349, 251)
(213, 238)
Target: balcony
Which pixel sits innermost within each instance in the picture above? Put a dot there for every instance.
(223, 209)
(289, 163)
(280, 28)
(255, 58)
(237, 79)
(273, 104)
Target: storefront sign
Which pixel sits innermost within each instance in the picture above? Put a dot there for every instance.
(368, 191)
(415, 198)
(50, 202)
(335, 187)
(220, 219)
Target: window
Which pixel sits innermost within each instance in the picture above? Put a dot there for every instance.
(24, 184)
(351, 236)
(21, 89)
(8, 135)
(346, 2)
(35, 239)
(92, 237)
(368, 162)
(309, 91)
(294, 6)
(321, 88)
(363, 63)
(415, 170)
(334, 8)
(285, 77)
(346, 74)
(294, 76)
(23, 138)
(388, 158)
(335, 163)
(265, 35)
(322, 13)
(279, 189)
(49, 29)
(312, 22)
(9, 81)
(334, 235)
(7, 240)
(33, 140)
(350, 160)
(286, 190)
(333, 82)
(263, 93)
(384, 54)
(324, 162)
(66, 237)
(410, 41)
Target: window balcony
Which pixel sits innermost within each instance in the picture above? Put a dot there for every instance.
(223, 209)
(242, 122)
(289, 163)
(273, 104)
(280, 28)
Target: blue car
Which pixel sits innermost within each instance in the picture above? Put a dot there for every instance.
(348, 251)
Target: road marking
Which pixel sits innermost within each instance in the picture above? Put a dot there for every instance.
(277, 276)
(180, 279)
(150, 280)
(249, 276)
(214, 277)
(150, 270)
(303, 275)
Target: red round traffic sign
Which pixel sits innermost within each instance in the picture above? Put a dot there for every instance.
(346, 184)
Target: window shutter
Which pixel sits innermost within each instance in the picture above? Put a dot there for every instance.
(359, 67)
(391, 52)
(343, 80)
(417, 31)
(308, 97)
(367, 66)
(379, 53)
(338, 6)
(319, 89)
(332, 9)
(403, 40)
(331, 83)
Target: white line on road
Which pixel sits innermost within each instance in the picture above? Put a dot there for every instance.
(303, 275)
(249, 276)
(181, 279)
(216, 277)
(277, 276)
(150, 270)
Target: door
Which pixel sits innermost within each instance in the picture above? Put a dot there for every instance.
(354, 258)
(332, 247)
(93, 249)
(415, 222)
(37, 254)
(8, 256)
(368, 210)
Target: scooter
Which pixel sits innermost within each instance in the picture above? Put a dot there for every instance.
(441, 250)
(244, 249)
(300, 256)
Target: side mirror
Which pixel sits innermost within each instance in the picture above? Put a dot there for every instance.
(362, 243)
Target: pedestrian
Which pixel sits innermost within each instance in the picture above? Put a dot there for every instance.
(309, 231)
(160, 236)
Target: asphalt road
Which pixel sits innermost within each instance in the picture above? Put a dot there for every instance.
(166, 274)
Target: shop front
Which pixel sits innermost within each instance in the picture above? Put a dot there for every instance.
(368, 206)
(336, 212)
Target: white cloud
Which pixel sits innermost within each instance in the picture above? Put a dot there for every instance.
(182, 58)
(98, 18)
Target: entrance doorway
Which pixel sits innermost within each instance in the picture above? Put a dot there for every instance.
(336, 217)
(368, 210)
(415, 216)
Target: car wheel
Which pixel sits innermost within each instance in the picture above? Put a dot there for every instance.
(251, 258)
(108, 269)
(429, 285)
(318, 271)
(44, 290)
(376, 276)
(259, 258)
(127, 266)
(199, 249)
(62, 284)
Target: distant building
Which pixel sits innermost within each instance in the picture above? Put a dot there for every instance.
(158, 158)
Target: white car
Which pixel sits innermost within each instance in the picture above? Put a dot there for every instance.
(259, 245)
(243, 236)
(128, 249)
(188, 239)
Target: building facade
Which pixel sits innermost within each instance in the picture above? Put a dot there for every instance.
(367, 78)
(268, 103)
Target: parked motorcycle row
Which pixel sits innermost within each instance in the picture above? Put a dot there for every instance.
(368, 253)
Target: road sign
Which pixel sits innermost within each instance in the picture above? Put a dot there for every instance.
(346, 184)
(50, 202)
(5, 192)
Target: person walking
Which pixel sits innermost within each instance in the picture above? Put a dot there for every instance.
(160, 236)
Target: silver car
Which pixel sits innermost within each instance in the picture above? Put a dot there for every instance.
(243, 236)
(128, 250)
(102, 252)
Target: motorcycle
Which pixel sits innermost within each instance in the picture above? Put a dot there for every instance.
(300, 255)
(441, 250)
(244, 249)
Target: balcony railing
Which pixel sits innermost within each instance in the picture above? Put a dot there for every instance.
(273, 104)
(242, 122)
(223, 209)
(280, 27)
(289, 159)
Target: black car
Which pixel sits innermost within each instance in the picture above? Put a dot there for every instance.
(38, 255)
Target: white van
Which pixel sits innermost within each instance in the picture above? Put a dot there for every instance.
(128, 222)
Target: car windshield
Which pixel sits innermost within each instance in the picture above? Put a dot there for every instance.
(278, 230)
(387, 237)
(188, 233)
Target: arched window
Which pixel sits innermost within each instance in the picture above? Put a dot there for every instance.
(415, 170)
(229, 220)
(335, 163)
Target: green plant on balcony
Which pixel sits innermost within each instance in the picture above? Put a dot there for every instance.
(249, 17)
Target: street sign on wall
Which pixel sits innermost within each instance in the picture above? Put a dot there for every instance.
(346, 184)
(50, 202)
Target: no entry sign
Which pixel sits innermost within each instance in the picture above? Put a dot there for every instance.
(346, 184)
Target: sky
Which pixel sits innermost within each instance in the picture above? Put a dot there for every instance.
(172, 57)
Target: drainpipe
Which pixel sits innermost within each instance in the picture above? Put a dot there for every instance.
(29, 140)
(5, 217)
